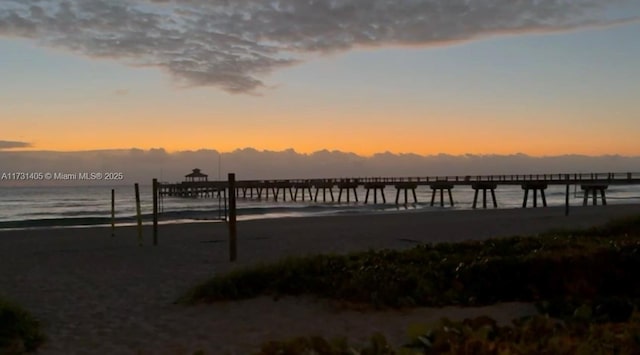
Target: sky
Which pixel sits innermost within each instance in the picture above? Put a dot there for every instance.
(482, 77)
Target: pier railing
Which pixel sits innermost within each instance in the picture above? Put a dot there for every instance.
(556, 178)
(503, 179)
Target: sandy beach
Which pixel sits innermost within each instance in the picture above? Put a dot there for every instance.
(98, 294)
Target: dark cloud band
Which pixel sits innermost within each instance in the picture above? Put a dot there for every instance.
(13, 145)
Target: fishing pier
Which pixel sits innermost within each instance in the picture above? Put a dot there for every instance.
(593, 186)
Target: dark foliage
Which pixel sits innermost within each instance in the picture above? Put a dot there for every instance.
(570, 267)
(19, 331)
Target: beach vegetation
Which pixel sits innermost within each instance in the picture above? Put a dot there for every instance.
(377, 345)
(20, 332)
(560, 271)
(583, 282)
(482, 335)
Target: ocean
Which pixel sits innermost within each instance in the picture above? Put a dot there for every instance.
(73, 206)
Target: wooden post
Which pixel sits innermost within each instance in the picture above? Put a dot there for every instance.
(475, 198)
(566, 201)
(138, 214)
(155, 211)
(232, 218)
(113, 212)
(493, 196)
(224, 197)
(484, 198)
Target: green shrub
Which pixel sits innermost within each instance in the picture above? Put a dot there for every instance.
(566, 266)
(532, 335)
(482, 335)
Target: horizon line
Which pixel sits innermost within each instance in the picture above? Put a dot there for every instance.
(293, 150)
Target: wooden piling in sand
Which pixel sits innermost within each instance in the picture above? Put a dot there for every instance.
(566, 201)
(113, 212)
(138, 214)
(155, 211)
(232, 218)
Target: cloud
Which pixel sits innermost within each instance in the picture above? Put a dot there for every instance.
(141, 166)
(232, 44)
(13, 145)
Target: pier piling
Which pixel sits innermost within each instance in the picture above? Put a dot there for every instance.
(405, 187)
(375, 187)
(324, 186)
(441, 186)
(593, 190)
(484, 186)
(305, 187)
(535, 187)
(348, 186)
